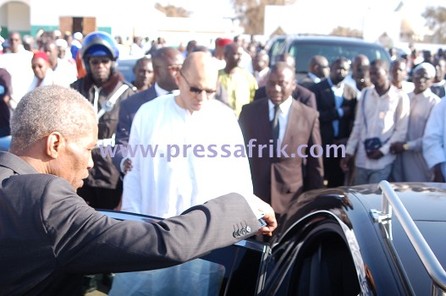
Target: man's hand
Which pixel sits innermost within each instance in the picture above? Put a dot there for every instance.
(375, 154)
(127, 165)
(268, 216)
(397, 147)
(346, 163)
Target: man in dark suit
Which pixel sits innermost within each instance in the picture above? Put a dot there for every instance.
(336, 103)
(300, 93)
(51, 236)
(318, 69)
(167, 61)
(283, 165)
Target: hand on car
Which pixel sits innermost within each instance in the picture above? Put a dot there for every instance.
(268, 216)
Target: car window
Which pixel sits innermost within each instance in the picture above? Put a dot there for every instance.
(125, 66)
(303, 52)
(277, 47)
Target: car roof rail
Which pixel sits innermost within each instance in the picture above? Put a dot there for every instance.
(391, 204)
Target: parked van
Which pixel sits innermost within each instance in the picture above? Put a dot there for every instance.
(303, 48)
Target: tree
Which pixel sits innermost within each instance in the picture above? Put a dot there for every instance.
(251, 13)
(436, 21)
(346, 32)
(172, 11)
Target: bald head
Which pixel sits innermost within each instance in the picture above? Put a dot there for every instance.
(319, 66)
(197, 81)
(201, 66)
(48, 109)
(164, 55)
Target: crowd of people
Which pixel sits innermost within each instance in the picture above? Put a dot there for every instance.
(221, 120)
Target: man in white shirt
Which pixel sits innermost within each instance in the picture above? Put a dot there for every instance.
(434, 142)
(197, 152)
(382, 118)
(18, 63)
(191, 133)
(438, 86)
(65, 72)
(410, 165)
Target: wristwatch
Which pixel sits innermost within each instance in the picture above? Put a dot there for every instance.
(405, 146)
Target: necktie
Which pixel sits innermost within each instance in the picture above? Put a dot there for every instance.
(275, 123)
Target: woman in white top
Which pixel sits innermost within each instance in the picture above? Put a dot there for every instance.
(43, 74)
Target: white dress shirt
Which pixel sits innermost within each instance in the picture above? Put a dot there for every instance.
(283, 115)
(165, 187)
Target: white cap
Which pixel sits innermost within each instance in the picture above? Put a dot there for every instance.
(78, 36)
(61, 43)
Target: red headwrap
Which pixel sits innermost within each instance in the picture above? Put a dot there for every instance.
(42, 55)
(223, 41)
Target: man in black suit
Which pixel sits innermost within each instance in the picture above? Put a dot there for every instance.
(336, 103)
(318, 69)
(167, 61)
(50, 236)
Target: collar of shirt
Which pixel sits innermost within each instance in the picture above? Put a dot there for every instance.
(314, 77)
(337, 89)
(284, 108)
(283, 115)
(160, 91)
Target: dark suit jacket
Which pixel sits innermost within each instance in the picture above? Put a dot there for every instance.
(49, 236)
(300, 94)
(127, 111)
(279, 180)
(327, 111)
(307, 82)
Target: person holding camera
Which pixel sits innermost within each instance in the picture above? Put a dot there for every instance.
(382, 118)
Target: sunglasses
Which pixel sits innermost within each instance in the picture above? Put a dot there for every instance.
(196, 90)
(95, 61)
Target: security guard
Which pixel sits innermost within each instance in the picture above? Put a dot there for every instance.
(105, 88)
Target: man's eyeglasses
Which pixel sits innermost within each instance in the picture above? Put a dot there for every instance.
(196, 90)
(97, 61)
(174, 68)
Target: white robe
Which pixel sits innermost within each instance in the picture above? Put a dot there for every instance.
(164, 187)
(434, 139)
(410, 165)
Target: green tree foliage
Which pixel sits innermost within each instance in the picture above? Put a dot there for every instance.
(251, 13)
(172, 11)
(436, 21)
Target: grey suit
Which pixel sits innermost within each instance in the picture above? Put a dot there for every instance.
(49, 236)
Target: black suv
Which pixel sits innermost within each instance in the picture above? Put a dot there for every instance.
(303, 48)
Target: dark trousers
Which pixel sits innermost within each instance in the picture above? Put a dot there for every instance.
(101, 198)
(333, 172)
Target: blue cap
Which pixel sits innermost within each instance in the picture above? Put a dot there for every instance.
(98, 50)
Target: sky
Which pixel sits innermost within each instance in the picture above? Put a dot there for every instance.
(349, 13)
